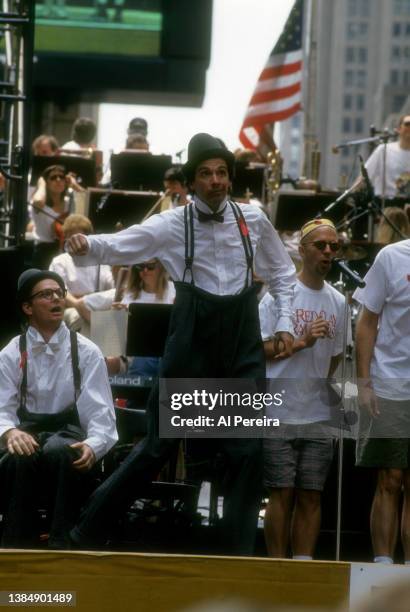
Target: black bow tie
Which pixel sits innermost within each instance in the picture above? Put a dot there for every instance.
(204, 217)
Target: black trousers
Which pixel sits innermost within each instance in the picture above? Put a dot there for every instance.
(212, 337)
(44, 478)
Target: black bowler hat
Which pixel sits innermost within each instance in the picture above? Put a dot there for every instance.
(204, 146)
(29, 278)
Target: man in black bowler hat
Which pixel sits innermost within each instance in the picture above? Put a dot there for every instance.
(210, 248)
(56, 415)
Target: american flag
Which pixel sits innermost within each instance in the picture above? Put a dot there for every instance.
(278, 92)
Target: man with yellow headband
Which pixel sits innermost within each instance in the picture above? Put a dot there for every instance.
(297, 460)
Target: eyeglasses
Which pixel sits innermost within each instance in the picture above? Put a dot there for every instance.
(322, 244)
(48, 294)
(146, 266)
(56, 177)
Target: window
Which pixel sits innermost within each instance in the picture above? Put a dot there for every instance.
(361, 78)
(394, 77)
(397, 28)
(350, 54)
(359, 125)
(406, 77)
(363, 29)
(360, 102)
(352, 8)
(398, 102)
(348, 78)
(347, 101)
(351, 30)
(395, 52)
(407, 28)
(362, 55)
(346, 124)
(364, 8)
(345, 152)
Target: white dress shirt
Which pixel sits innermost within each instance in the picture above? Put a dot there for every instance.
(219, 260)
(80, 281)
(50, 385)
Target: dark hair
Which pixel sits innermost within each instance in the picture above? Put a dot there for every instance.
(83, 130)
(46, 174)
(175, 174)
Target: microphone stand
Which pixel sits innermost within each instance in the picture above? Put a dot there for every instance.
(341, 285)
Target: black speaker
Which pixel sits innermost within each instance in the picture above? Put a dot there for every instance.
(11, 266)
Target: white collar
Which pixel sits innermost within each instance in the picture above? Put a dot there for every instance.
(203, 207)
(38, 344)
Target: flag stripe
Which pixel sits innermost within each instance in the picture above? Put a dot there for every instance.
(280, 83)
(275, 94)
(279, 115)
(278, 59)
(272, 107)
(277, 71)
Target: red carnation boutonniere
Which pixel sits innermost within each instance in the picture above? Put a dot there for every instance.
(243, 227)
(23, 359)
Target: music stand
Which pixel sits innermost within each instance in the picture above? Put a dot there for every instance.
(147, 329)
(139, 171)
(108, 208)
(293, 209)
(247, 179)
(83, 168)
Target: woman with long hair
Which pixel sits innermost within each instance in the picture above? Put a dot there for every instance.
(50, 205)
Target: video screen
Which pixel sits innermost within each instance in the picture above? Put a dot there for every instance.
(108, 27)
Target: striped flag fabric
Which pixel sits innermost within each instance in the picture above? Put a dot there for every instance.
(278, 92)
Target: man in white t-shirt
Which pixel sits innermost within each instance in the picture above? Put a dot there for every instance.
(297, 460)
(383, 371)
(397, 172)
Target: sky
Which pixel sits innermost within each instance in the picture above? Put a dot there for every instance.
(243, 34)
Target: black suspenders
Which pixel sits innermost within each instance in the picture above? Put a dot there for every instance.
(23, 365)
(190, 242)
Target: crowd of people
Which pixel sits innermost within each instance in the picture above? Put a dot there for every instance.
(206, 255)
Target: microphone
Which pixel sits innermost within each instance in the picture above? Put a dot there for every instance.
(340, 199)
(104, 198)
(351, 274)
(365, 175)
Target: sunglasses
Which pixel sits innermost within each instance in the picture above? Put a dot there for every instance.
(48, 294)
(146, 266)
(56, 177)
(322, 244)
(406, 123)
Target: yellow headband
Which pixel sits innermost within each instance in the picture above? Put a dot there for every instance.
(314, 224)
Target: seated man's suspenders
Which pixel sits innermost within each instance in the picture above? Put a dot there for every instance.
(38, 422)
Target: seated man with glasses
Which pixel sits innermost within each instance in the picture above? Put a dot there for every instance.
(56, 415)
(298, 458)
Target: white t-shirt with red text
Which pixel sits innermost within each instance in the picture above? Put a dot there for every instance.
(303, 400)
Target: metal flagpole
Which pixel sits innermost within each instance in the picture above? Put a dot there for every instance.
(310, 130)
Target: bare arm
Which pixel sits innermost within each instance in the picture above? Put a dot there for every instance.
(366, 334)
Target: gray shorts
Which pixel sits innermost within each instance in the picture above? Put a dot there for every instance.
(297, 462)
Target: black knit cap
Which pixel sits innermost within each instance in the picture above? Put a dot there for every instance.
(29, 278)
(203, 146)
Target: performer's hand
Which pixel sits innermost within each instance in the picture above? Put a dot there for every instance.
(367, 398)
(315, 330)
(283, 345)
(19, 442)
(86, 459)
(77, 245)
